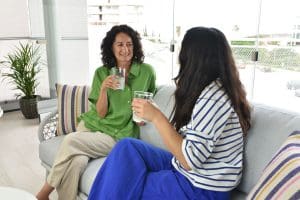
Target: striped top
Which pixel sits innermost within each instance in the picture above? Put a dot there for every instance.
(213, 142)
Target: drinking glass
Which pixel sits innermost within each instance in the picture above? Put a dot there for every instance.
(141, 95)
(120, 76)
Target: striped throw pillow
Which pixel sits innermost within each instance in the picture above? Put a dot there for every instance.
(72, 101)
(281, 177)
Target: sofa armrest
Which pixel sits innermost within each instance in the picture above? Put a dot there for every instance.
(47, 127)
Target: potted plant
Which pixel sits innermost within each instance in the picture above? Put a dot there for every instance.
(24, 64)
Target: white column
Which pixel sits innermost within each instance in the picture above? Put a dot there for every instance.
(37, 31)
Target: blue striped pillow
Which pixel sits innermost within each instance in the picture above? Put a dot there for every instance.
(72, 101)
(281, 177)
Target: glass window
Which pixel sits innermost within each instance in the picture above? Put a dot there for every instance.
(236, 19)
(277, 74)
(264, 26)
(152, 19)
(271, 28)
(21, 22)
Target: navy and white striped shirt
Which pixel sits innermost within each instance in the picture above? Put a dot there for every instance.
(213, 142)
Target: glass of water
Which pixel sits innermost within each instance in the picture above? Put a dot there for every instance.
(120, 74)
(141, 95)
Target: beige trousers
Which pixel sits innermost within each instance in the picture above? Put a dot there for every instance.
(72, 158)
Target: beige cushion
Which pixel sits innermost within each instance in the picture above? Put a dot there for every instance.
(281, 177)
(72, 101)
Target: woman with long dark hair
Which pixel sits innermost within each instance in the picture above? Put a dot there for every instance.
(204, 139)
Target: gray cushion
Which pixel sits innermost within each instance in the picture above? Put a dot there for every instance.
(89, 175)
(47, 152)
(165, 101)
(48, 149)
(270, 127)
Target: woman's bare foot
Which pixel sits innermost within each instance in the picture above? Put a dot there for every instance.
(40, 196)
(44, 193)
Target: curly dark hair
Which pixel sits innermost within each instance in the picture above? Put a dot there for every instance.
(108, 57)
(206, 56)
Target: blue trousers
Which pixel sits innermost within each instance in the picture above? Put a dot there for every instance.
(137, 170)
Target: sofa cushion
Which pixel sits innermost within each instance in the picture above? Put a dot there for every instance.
(48, 149)
(47, 152)
(270, 128)
(72, 101)
(165, 101)
(281, 177)
(88, 176)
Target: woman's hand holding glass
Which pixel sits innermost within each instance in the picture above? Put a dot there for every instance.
(111, 82)
(145, 109)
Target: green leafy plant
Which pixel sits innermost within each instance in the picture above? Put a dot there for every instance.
(24, 63)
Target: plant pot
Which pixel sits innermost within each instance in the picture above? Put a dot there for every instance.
(29, 107)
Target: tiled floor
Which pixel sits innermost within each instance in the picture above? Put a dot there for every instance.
(19, 162)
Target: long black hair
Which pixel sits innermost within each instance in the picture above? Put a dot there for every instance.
(108, 58)
(206, 56)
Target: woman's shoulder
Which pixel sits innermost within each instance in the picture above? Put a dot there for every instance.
(100, 73)
(146, 67)
(215, 92)
(102, 70)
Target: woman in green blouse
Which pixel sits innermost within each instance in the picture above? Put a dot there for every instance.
(110, 116)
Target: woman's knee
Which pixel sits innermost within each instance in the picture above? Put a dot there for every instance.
(127, 142)
(79, 162)
(69, 139)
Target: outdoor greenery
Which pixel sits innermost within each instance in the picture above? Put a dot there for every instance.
(24, 64)
(239, 42)
(252, 42)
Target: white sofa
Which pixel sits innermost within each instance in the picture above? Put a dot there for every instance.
(270, 127)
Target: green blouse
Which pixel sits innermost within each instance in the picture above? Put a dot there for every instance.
(118, 120)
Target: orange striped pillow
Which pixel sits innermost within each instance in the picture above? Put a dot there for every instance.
(72, 101)
(281, 178)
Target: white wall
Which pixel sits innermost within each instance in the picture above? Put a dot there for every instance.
(37, 26)
(14, 18)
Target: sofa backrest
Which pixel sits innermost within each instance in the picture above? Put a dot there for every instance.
(270, 128)
(165, 101)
